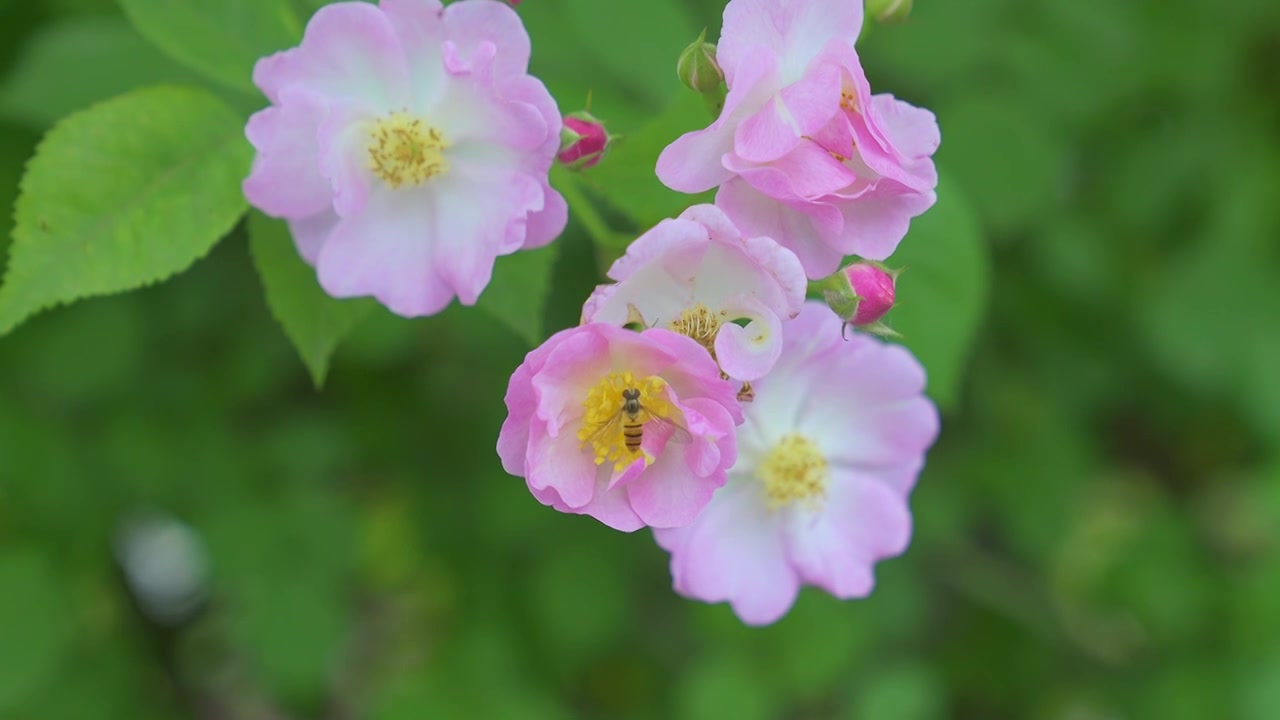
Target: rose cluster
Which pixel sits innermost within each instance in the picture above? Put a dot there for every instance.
(702, 395)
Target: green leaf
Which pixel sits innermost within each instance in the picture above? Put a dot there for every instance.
(584, 210)
(639, 42)
(314, 322)
(942, 295)
(220, 39)
(123, 195)
(1007, 159)
(15, 148)
(35, 631)
(903, 692)
(518, 292)
(626, 175)
(724, 685)
(70, 65)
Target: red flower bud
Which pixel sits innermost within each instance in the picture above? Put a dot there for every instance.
(583, 141)
(874, 290)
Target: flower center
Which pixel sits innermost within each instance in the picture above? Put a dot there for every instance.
(617, 409)
(403, 150)
(794, 471)
(699, 323)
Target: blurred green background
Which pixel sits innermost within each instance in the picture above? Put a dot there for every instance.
(1096, 531)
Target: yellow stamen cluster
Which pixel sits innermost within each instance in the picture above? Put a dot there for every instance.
(699, 323)
(605, 416)
(403, 150)
(794, 471)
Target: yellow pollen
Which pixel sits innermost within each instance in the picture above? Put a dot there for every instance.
(606, 418)
(794, 471)
(403, 150)
(849, 102)
(701, 324)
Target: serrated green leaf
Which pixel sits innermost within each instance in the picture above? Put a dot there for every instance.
(70, 65)
(942, 295)
(35, 635)
(314, 321)
(626, 175)
(15, 148)
(517, 294)
(123, 195)
(220, 39)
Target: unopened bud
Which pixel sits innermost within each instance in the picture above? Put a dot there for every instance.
(697, 66)
(583, 141)
(889, 11)
(861, 294)
(873, 287)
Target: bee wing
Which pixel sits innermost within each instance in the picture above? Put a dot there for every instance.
(605, 428)
(678, 433)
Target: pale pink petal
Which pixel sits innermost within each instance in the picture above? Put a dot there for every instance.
(543, 226)
(912, 130)
(722, 452)
(715, 224)
(513, 438)
(530, 91)
(559, 462)
(612, 508)
(310, 234)
(386, 252)
(472, 212)
(285, 180)
(422, 32)
(344, 138)
(748, 353)
(796, 29)
(881, 418)
(349, 50)
(875, 223)
(807, 234)
(785, 267)
(479, 120)
(862, 521)
(478, 22)
(673, 247)
(734, 552)
(668, 493)
(692, 164)
(570, 369)
(694, 374)
(801, 109)
(808, 172)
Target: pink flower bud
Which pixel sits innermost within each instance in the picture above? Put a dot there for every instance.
(874, 289)
(583, 141)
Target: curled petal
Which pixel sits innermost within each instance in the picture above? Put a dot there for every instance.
(749, 352)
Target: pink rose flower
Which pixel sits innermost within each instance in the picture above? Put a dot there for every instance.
(408, 147)
(828, 453)
(803, 152)
(631, 428)
(698, 276)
